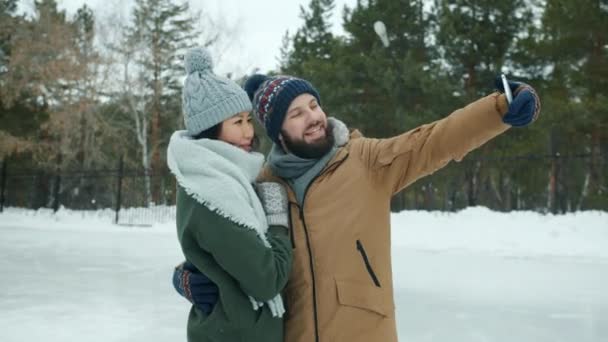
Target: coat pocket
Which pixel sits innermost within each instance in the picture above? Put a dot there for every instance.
(365, 297)
(208, 320)
(367, 263)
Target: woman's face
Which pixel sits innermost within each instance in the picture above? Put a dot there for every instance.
(238, 131)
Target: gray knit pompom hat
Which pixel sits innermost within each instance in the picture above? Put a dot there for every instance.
(208, 99)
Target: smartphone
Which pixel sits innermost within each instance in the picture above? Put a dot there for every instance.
(505, 85)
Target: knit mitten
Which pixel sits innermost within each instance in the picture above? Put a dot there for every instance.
(195, 287)
(275, 202)
(525, 107)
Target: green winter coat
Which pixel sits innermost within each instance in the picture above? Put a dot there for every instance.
(235, 259)
(223, 230)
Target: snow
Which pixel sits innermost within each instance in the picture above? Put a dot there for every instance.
(475, 275)
(519, 234)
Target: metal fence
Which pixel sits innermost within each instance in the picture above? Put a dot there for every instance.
(545, 183)
(122, 190)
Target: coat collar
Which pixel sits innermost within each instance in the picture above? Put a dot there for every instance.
(266, 173)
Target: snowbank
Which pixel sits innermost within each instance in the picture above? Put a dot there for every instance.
(522, 234)
(519, 233)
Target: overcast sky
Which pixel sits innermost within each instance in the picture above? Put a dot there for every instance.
(256, 27)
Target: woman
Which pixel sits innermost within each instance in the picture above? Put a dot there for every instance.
(223, 226)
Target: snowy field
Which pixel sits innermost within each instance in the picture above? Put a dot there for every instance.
(471, 276)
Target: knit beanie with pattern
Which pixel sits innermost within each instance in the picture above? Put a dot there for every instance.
(271, 97)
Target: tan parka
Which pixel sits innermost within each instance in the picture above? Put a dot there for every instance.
(341, 286)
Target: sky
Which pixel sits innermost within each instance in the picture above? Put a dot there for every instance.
(255, 28)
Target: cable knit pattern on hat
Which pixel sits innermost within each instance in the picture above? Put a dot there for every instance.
(208, 99)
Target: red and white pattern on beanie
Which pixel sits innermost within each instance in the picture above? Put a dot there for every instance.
(268, 94)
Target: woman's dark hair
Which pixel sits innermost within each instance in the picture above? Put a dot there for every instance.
(210, 133)
(215, 131)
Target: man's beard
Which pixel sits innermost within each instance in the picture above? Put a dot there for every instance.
(313, 150)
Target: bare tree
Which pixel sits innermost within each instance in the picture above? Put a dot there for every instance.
(134, 102)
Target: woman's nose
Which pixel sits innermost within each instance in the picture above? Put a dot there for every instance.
(248, 131)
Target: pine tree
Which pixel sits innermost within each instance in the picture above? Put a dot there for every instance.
(475, 39)
(572, 59)
(41, 71)
(381, 90)
(88, 60)
(8, 21)
(313, 53)
(160, 32)
(314, 40)
(10, 111)
(394, 82)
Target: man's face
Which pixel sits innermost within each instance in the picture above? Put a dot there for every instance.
(305, 131)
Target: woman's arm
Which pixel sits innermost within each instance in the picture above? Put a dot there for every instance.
(262, 272)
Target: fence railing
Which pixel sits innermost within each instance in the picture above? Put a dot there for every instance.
(136, 196)
(546, 183)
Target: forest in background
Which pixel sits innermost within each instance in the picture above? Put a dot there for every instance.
(82, 103)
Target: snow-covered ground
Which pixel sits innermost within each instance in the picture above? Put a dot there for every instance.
(475, 275)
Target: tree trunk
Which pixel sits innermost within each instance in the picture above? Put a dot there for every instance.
(553, 173)
(472, 180)
(508, 194)
(595, 164)
(584, 191)
(155, 164)
(469, 84)
(156, 112)
(81, 161)
(146, 164)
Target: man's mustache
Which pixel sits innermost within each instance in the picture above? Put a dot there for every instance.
(318, 123)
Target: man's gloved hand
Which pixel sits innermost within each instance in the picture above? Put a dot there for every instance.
(195, 287)
(203, 293)
(275, 202)
(525, 107)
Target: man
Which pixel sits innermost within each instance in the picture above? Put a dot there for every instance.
(340, 187)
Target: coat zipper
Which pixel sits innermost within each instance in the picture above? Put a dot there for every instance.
(370, 270)
(293, 241)
(310, 258)
(312, 272)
